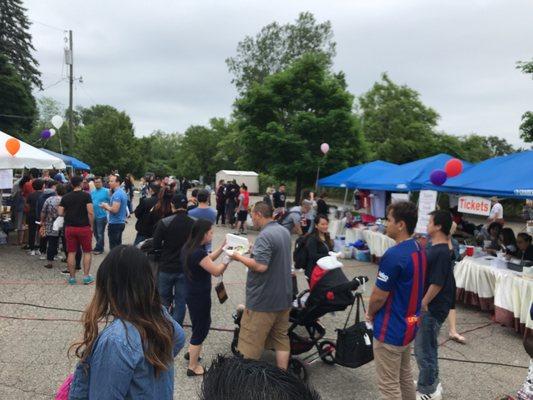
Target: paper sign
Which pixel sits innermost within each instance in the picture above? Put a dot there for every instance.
(427, 202)
(397, 197)
(474, 205)
(6, 179)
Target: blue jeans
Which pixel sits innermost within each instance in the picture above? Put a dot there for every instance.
(99, 233)
(114, 231)
(171, 288)
(426, 352)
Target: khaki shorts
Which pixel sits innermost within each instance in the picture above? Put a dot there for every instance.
(263, 330)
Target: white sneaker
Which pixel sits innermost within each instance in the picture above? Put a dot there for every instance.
(436, 395)
(42, 257)
(31, 253)
(37, 253)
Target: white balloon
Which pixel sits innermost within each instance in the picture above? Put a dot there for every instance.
(57, 121)
(52, 132)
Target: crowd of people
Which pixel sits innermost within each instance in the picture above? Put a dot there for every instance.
(414, 292)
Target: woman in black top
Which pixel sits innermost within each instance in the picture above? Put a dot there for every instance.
(198, 268)
(525, 248)
(321, 205)
(319, 243)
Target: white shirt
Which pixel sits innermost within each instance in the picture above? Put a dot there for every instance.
(496, 211)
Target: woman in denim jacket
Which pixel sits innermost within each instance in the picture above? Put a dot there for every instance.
(132, 357)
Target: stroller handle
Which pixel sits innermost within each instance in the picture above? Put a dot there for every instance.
(358, 281)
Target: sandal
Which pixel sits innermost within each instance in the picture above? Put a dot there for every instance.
(458, 338)
(192, 373)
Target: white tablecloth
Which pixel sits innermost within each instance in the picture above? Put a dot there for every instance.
(377, 242)
(480, 281)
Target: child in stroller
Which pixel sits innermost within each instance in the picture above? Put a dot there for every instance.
(329, 291)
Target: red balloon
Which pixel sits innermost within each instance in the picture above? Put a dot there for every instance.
(453, 167)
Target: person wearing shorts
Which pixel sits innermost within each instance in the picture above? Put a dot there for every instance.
(77, 208)
(265, 320)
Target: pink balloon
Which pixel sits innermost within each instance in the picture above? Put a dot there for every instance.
(324, 147)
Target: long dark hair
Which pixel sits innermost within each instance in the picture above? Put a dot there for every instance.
(198, 232)
(163, 207)
(508, 237)
(126, 290)
(328, 240)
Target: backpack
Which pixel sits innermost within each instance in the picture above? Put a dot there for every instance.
(246, 200)
(280, 217)
(299, 256)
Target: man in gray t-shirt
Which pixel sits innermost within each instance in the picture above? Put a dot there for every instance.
(265, 320)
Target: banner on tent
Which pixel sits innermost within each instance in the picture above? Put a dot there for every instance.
(427, 202)
(474, 205)
(6, 178)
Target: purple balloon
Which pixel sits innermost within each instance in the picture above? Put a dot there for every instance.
(46, 134)
(438, 177)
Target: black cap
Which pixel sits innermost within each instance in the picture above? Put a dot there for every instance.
(179, 201)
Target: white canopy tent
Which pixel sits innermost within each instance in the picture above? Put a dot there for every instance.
(27, 157)
(250, 178)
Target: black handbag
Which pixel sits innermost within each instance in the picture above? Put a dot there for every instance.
(354, 343)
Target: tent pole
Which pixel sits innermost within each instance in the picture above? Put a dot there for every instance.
(345, 197)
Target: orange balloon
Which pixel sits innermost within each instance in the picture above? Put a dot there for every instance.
(12, 146)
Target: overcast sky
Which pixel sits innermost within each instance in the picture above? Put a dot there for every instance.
(162, 61)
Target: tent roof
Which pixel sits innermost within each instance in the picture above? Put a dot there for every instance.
(69, 160)
(352, 176)
(27, 157)
(410, 176)
(505, 176)
(241, 173)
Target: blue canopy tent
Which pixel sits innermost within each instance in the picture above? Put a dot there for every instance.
(69, 161)
(410, 176)
(509, 176)
(349, 177)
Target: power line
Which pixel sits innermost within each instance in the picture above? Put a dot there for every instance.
(48, 26)
(54, 84)
(16, 116)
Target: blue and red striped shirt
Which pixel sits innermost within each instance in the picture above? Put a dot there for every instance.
(402, 273)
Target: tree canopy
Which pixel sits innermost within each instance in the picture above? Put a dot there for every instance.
(17, 105)
(109, 143)
(15, 41)
(397, 125)
(284, 120)
(276, 46)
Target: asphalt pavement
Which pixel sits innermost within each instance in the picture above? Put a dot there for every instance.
(34, 341)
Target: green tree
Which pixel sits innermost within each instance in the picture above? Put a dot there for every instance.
(477, 148)
(109, 143)
(199, 150)
(276, 46)
(526, 127)
(15, 41)
(17, 104)
(284, 120)
(161, 151)
(398, 126)
(525, 66)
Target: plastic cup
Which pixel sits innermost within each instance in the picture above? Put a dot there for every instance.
(470, 251)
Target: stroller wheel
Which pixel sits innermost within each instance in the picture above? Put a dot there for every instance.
(326, 351)
(297, 368)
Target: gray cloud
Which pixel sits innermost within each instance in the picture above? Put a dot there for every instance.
(163, 61)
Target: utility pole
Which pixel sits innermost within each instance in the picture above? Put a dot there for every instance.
(70, 61)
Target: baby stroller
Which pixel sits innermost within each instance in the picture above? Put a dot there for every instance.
(330, 291)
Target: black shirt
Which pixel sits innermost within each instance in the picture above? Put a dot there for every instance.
(198, 280)
(526, 255)
(322, 207)
(33, 198)
(170, 235)
(316, 249)
(75, 205)
(279, 199)
(145, 223)
(440, 273)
